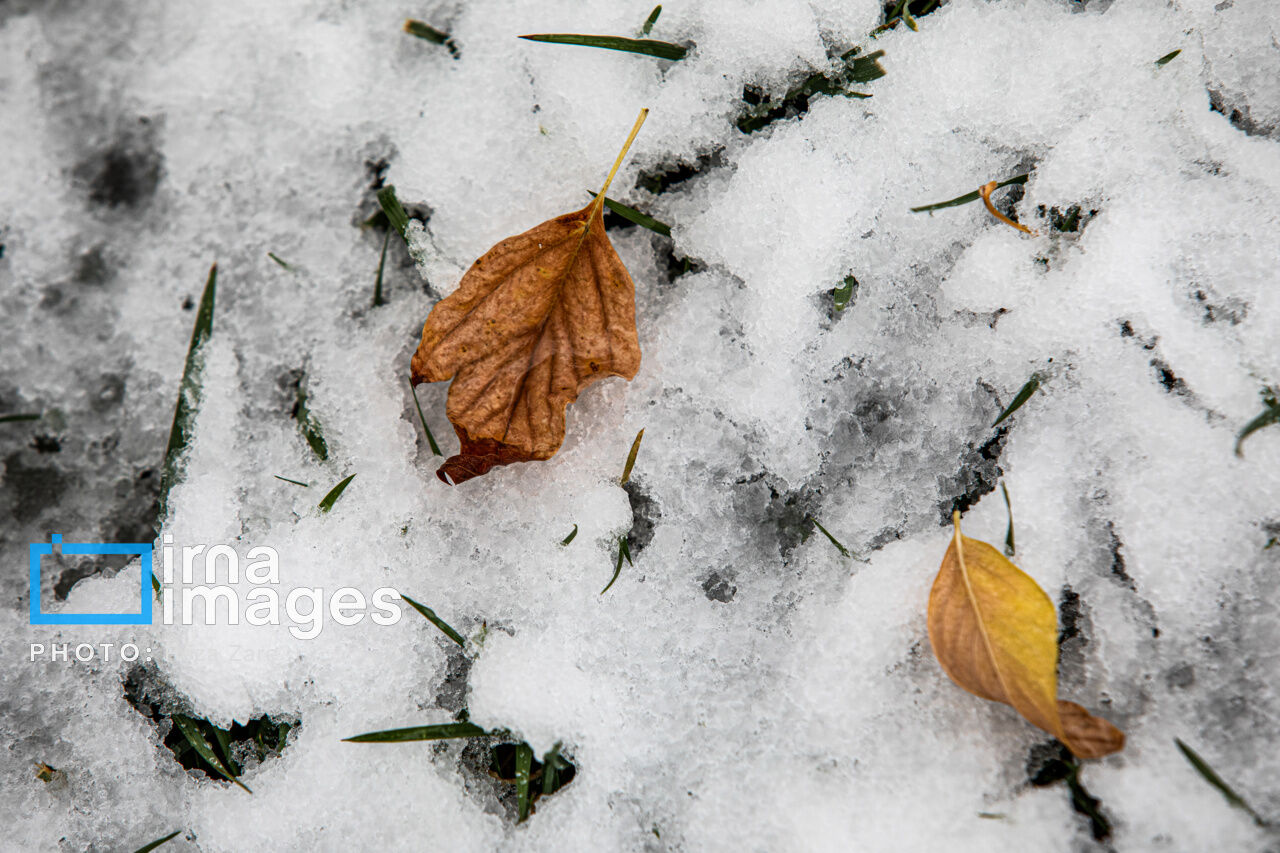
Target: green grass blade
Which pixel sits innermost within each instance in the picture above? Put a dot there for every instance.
(569, 538)
(444, 731)
(968, 197)
(1008, 536)
(904, 9)
(425, 31)
(1266, 419)
(310, 425)
(844, 293)
(295, 482)
(382, 262)
(10, 419)
(896, 13)
(191, 731)
(431, 439)
(632, 215)
(273, 256)
(188, 392)
(863, 68)
(857, 69)
(648, 47)
(327, 502)
(393, 209)
(1202, 767)
(1023, 395)
(844, 552)
(147, 848)
(524, 765)
(624, 552)
(224, 742)
(1168, 57)
(551, 764)
(435, 620)
(1087, 804)
(651, 20)
(631, 459)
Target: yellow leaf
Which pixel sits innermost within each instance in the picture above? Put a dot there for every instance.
(995, 632)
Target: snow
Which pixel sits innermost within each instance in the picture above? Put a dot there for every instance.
(742, 685)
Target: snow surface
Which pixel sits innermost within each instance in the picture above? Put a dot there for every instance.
(742, 686)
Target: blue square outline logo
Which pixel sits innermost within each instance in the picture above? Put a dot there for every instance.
(142, 550)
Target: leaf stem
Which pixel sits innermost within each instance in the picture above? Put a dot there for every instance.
(617, 164)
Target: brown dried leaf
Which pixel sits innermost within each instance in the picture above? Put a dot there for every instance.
(537, 319)
(995, 632)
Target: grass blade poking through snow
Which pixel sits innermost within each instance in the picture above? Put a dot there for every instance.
(1203, 768)
(382, 262)
(295, 482)
(309, 425)
(648, 47)
(1269, 416)
(188, 393)
(551, 762)
(444, 731)
(651, 20)
(969, 197)
(276, 258)
(569, 538)
(147, 848)
(624, 552)
(632, 215)
(393, 209)
(844, 552)
(861, 67)
(327, 502)
(631, 459)
(1008, 536)
(188, 401)
(524, 766)
(191, 732)
(10, 419)
(858, 68)
(902, 12)
(1023, 395)
(435, 620)
(1168, 57)
(844, 293)
(426, 32)
(431, 439)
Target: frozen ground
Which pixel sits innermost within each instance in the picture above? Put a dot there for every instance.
(743, 686)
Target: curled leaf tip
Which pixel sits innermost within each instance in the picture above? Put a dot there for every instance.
(985, 192)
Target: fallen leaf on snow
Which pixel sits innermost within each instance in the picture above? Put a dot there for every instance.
(995, 632)
(536, 319)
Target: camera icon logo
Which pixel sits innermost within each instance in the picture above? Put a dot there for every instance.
(39, 617)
